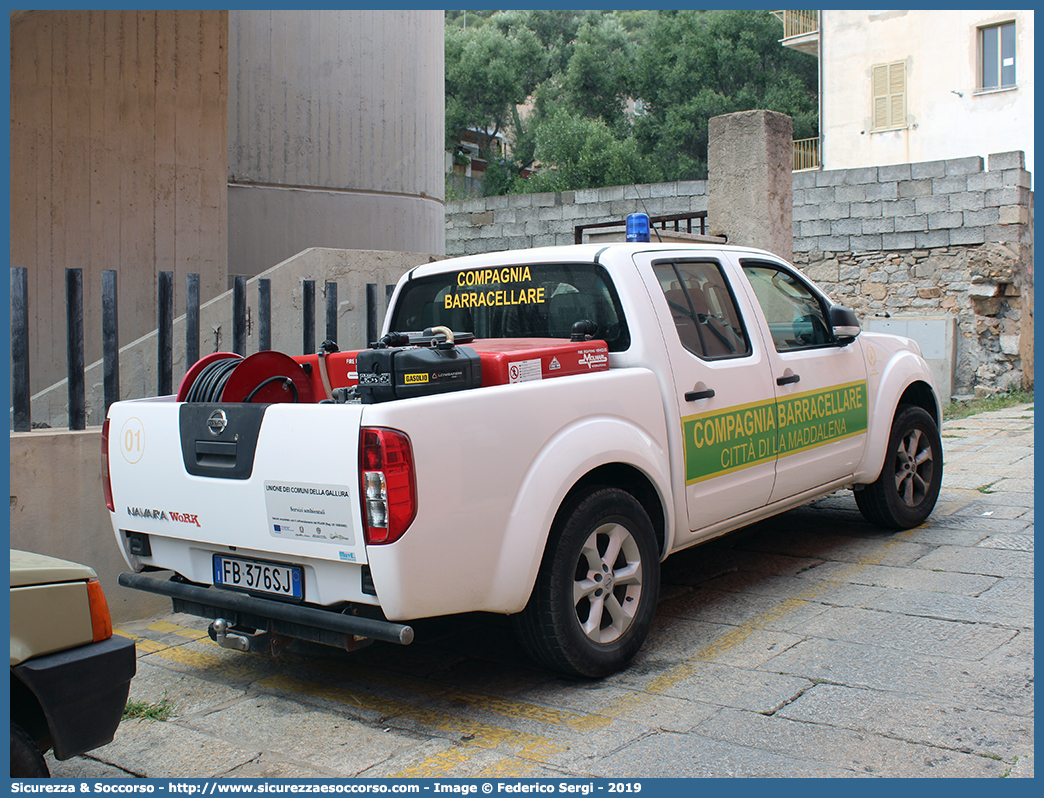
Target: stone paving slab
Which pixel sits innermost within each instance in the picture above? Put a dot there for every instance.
(720, 685)
(305, 736)
(915, 634)
(153, 684)
(886, 670)
(679, 640)
(914, 720)
(169, 750)
(803, 587)
(966, 584)
(844, 549)
(810, 645)
(1015, 589)
(999, 609)
(977, 560)
(693, 756)
(736, 609)
(1015, 656)
(832, 746)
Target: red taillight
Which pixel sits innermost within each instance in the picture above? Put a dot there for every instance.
(106, 477)
(387, 486)
(101, 621)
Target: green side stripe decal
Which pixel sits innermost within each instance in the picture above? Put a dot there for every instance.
(724, 441)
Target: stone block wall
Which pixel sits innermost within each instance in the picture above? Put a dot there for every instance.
(522, 221)
(928, 238)
(912, 206)
(953, 236)
(979, 285)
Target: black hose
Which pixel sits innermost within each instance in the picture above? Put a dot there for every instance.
(208, 386)
(286, 381)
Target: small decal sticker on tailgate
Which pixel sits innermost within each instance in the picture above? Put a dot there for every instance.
(306, 511)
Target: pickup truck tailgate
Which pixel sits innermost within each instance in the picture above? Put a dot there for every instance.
(239, 475)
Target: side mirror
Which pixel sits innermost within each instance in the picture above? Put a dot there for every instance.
(844, 324)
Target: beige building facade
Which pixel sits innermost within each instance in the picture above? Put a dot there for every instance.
(920, 85)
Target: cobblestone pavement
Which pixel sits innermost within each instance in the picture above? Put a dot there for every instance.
(809, 645)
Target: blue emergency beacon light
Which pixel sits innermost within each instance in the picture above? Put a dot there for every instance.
(638, 227)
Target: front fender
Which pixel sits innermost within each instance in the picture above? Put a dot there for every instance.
(589, 444)
(893, 366)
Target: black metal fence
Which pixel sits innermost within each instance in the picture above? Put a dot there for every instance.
(21, 398)
(675, 219)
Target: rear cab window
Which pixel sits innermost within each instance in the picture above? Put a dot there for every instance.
(703, 308)
(526, 301)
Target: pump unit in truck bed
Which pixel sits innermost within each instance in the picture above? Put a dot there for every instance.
(533, 434)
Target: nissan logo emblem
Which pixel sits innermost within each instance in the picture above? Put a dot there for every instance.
(217, 422)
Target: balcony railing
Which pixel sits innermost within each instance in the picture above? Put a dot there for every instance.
(798, 23)
(806, 154)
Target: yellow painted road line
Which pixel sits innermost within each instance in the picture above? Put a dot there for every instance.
(507, 707)
(444, 763)
(166, 627)
(507, 768)
(479, 734)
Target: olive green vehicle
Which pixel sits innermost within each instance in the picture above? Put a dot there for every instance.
(69, 676)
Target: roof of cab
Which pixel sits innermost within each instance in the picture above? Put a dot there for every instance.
(573, 253)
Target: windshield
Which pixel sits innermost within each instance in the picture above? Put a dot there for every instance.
(534, 301)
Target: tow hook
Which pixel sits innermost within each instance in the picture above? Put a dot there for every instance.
(225, 634)
(220, 634)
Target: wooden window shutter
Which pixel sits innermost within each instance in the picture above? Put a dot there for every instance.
(889, 95)
(897, 95)
(880, 88)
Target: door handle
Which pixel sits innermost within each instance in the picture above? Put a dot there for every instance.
(693, 396)
(788, 380)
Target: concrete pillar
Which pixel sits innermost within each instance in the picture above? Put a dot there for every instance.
(336, 133)
(750, 194)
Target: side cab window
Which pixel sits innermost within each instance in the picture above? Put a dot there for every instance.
(796, 316)
(704, 311)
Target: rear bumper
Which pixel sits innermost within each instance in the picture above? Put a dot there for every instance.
(82, 692)
(293, 620)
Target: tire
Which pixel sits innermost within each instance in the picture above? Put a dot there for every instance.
(27, 761)
(905, 493)
(572, 623)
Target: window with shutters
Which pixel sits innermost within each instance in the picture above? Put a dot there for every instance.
(889, 95)
(997, 57)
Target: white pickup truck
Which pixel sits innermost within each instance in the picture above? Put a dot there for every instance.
(536, 431)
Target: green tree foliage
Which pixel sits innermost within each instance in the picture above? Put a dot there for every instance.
(583, 153)
(489, 72)
(699, 64)
(576, 72)
(597, 80)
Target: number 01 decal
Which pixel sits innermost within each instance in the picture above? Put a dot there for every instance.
(132, 440)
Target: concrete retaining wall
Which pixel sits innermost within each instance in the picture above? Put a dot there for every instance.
(336, 128)
(350, 269)
(57, 508)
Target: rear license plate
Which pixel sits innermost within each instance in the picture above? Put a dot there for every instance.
(261, 577)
